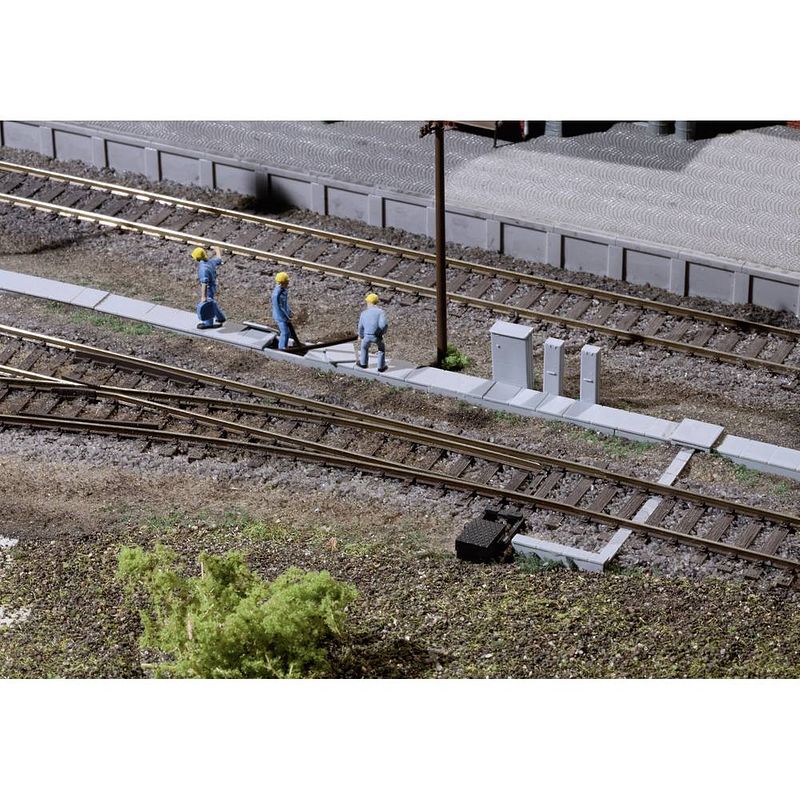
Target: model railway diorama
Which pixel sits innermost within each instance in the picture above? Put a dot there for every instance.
(466, 410)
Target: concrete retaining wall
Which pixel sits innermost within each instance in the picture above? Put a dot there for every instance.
(682, 272)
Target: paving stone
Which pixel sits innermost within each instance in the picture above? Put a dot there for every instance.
(554, 406)
(89, 298)
(38, 287)
(552, 551)
(126, 307)
(731, 446)
(441, 381)
(494, 394)
(528, 400)
(700, 435)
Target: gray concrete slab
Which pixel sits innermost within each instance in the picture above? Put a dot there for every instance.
(527, 401)
(697, 434)
(571, 557)
(126, 307)
(443, 382)
(554, 406)
(641, 427)
(589, 415)
(88, 298)
(493, 394)
(35, 286)
(731, 446)
(785, 458)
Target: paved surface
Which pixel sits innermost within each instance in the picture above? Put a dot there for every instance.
(735, 196)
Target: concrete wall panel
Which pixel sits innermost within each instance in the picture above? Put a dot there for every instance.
(405, 216)
(713, 282)
(773, 293)
(290, 192)
(465, 230)
(181, 169)
(524, 243)
(350, 205)
(73, 146)
(581, 255)
(125, 157)
(21, 135)
(235, 179)
(642, 268)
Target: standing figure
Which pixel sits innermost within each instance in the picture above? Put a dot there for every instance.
(281, 312)
(208, 312)
(372, 327)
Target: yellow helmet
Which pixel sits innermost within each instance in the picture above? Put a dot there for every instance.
(372, 298)
(198, 254)
(282, 277)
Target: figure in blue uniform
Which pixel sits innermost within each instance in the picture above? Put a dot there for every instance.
(209, 315)
(372, 327)
(281, 312)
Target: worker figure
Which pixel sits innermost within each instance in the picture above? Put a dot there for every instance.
(207, 278)
(281, 312)
(372, 327)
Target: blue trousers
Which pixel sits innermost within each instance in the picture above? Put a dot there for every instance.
(283, 339)
(363, 355)
(215, 313)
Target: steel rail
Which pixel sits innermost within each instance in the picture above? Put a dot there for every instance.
(404, 286)
(326, 412)
(406, 252)
(406, 473)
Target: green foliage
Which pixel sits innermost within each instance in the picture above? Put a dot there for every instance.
(745, 475)
(228, 623)
(455, 360)
(531, 564)
(112, 323)
(613, 445)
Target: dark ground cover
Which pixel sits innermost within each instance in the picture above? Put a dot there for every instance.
(420, 612)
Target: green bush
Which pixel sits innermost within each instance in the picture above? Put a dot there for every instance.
(228, 623)
(455, 360)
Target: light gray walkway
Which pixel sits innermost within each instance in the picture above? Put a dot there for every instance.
(735, 196)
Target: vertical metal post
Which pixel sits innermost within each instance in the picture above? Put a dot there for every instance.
(441, 273)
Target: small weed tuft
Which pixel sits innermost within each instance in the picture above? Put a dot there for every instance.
(455, 360)
(112, 323)
(745, 475)
(533, 564)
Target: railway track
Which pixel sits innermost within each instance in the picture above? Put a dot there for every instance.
(53, 383)
(517, 295)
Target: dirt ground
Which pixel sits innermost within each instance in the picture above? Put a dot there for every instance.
(70, 504)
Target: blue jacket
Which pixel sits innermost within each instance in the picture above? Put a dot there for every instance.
(372, 322)
(207, 273)
(280, 304)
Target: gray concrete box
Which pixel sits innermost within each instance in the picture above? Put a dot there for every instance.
(553, 377)
(512, 354)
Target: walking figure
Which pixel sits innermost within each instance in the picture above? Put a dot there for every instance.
(372, 327)
(281, 312)
(208, 312)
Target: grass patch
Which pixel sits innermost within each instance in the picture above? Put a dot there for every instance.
(613, 445)
(533, 564)
(127, 327)
(511, 419)
(747, 476)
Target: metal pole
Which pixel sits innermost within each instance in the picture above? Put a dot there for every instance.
(441, 274)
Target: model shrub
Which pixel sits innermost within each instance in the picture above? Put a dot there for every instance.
(455, 360)
(227, 622)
